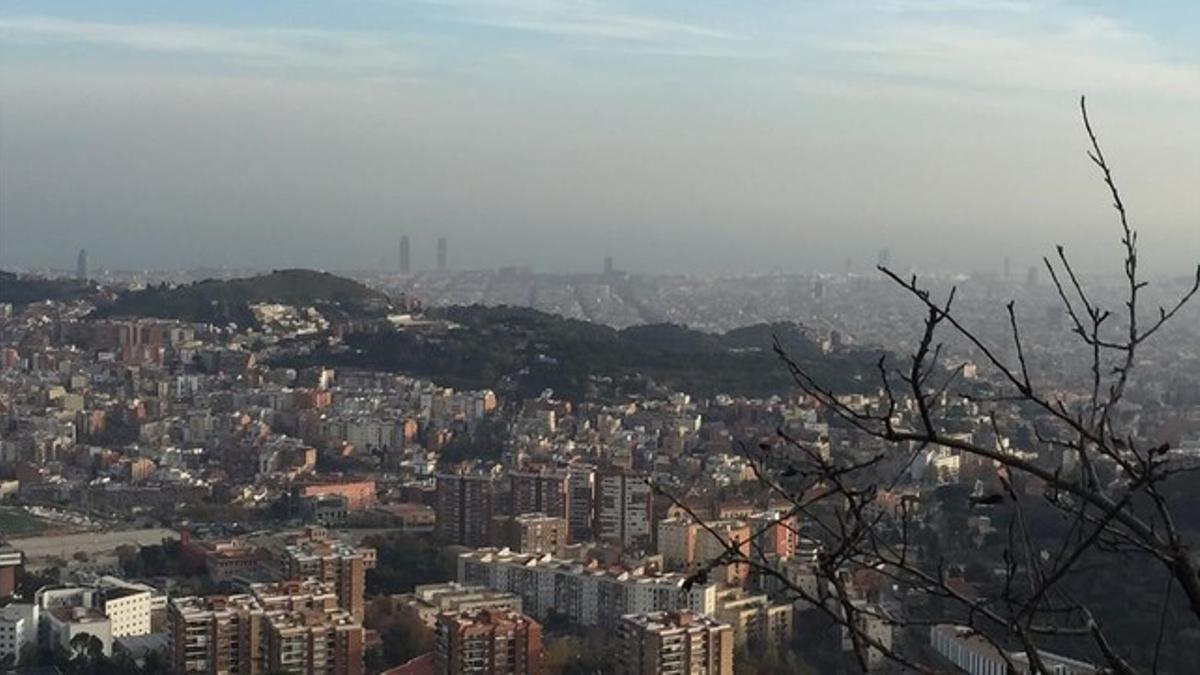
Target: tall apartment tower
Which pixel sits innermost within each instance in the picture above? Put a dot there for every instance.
(624, 505)
(81, 265)
(464, 505)
(344, 567)
(405, 256)
(539, 492)
(581, 504)
(674, 642)
(441, 254)
(488, 642)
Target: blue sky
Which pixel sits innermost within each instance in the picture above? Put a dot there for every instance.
(683, 136)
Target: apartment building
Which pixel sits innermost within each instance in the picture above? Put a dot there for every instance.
(427, 601)
(315, 555)
(488, 642)
(976, 655)
(670, 643)
(581, 504)
(465, 506)
(18, 631)
(624, 509)
(687, 545)
(587, 595)
(537, 533)
(282, 627)
(755, 620)
(127, 608)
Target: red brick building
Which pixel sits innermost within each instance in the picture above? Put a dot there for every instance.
(488, 642)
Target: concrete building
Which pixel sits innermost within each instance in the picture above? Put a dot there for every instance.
(225, 560)
(465, 506)
(581, 504)
(586, 595)
(539, 492)
(427, 601)
(488, 642)
(127, 608)
(359, 494)
(314, 555)
(688, 545)
(61, 625)
(18, 631)
(10, 560)
(755, 620)
(872, 624)
(283, 627)
(974, 654)
(538, 533)
(662, 643)
(677, 542)
(777, 533)
(624, 504)
(217, 634)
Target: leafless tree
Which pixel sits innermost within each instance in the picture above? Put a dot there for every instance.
(1108, 494)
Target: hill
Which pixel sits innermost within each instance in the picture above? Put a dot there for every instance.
(24, 289)
(228, 301)
(524, 351)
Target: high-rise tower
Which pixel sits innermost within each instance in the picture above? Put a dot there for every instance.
(405, 259)
(81, 265)
(441, 254)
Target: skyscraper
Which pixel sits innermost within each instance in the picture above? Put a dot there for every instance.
(885, 257)
(608, 266)
(81, 265)
(405, 259)
(441, 254)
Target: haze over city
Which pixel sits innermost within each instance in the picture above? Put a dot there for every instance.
(678, 136)
(588, 337)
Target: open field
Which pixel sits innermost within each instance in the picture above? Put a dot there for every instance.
(17, 523)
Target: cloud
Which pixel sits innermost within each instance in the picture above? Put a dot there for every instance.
(941, 6)
(260, 47)
(1073, 55)
(575, 19)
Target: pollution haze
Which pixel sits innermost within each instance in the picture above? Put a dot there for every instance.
(693, 137)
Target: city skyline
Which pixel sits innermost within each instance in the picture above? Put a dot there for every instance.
(552, 337)
(680, 138)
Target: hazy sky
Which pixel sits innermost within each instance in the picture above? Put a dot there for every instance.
(697, 136)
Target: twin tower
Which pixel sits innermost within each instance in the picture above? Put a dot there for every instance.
(405, 266)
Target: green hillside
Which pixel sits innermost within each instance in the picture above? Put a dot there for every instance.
(525, 351)
(24, 289)
(228, 301)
